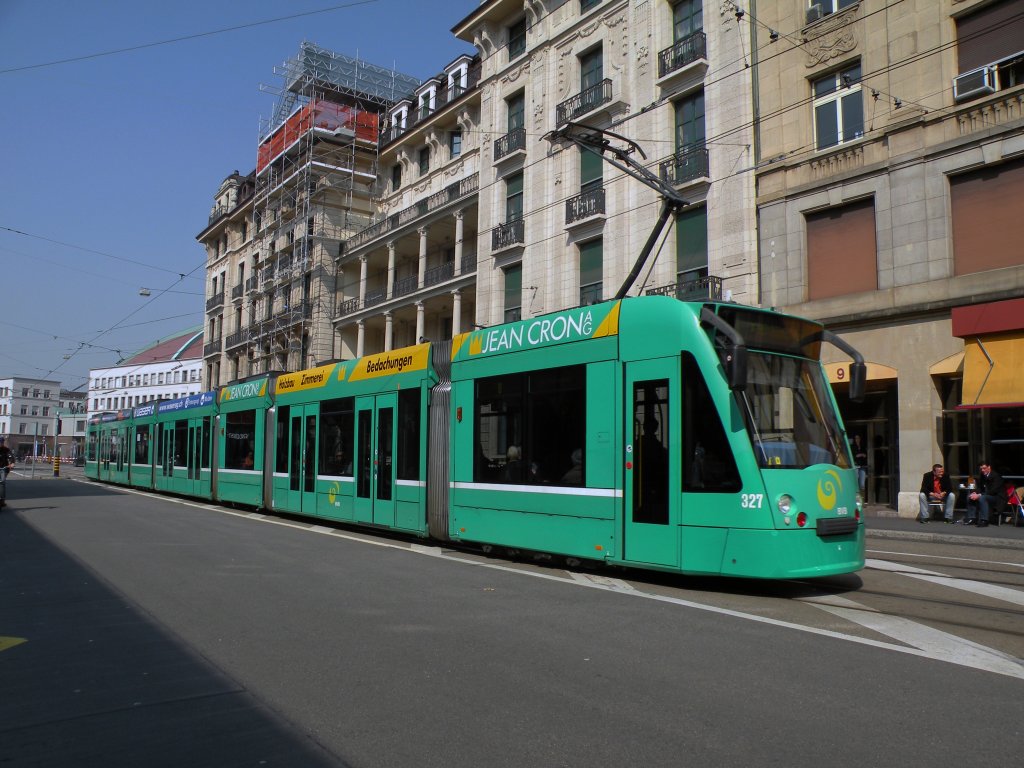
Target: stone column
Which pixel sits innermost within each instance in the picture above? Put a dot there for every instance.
(456, 312)
(388, 332)
(391, 270)
(360, 338)
(422, 231)
(458, 242)
(362, 281)
(419, 321)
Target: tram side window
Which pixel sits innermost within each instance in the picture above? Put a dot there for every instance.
(90, 449)
(240, 440)
(531, 426)
(181, 443)
(281, 440)
(205, 461)
(337, 430)
(142, 444)
(708, 462)
(409, 434)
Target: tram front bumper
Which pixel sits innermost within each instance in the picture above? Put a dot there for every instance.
(792, 554)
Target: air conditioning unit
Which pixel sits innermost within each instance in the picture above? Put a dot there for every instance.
(974, 83)
(815, 12)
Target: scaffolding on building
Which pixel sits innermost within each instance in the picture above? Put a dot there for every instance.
(316, 176)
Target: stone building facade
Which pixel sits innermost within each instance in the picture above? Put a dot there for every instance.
(890, 174)
(485, 220)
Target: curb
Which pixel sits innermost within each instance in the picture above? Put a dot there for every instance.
(980, 541)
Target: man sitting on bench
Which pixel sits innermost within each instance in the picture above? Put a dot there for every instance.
(936, 489)
(988, 497)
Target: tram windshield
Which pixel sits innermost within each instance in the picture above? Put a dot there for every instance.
(789, 413)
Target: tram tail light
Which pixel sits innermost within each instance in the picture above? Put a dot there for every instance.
(801, 519)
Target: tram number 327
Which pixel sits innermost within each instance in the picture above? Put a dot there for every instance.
(752, 500)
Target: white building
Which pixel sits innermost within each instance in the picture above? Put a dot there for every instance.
(73, 423)
(28, 413)
(168, 369)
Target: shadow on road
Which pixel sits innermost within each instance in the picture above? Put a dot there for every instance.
(26, 488)
(95, 682)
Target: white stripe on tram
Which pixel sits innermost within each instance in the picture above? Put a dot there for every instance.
(611, 493)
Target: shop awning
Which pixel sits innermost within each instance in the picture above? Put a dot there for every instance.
(994, 370)
(839, 373)
(947, 366)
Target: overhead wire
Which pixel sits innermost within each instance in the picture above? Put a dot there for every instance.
(183, 38)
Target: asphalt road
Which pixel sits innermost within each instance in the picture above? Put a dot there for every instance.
(137, 630)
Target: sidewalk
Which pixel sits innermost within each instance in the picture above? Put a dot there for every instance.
(882, 523)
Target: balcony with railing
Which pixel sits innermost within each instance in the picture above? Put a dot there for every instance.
(405, 286)
(213, 347)
(683, 53)
(507, 235)
(439, 274)
(236, 339)
(584, 205)
(252, 284)
(442, 98)
(216, 213)
(217, 300)
(707, 288)
(686, 165)
(583, 102)
(513, 141)
(237, 291)
(450, 194)
(375, 297)
(409, 285)
(348, 306)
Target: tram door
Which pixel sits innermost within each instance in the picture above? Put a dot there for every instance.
(112, 458)
(651, 492)
(375, 466)
(197, 454)
(164, 455)
(303, 426)
(106, 441)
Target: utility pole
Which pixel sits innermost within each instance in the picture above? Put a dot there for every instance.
(56, 442)
(35, 448)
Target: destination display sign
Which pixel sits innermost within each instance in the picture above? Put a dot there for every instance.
(185, 403)
(549, 330)
(144, 410)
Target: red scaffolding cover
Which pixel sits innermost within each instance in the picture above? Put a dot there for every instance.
(317, 114)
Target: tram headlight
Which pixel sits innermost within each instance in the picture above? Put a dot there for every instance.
(785, 504)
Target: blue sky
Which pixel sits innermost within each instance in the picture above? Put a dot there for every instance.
(110, 163)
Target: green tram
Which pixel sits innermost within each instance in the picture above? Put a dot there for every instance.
(242, 449)
(646, 432)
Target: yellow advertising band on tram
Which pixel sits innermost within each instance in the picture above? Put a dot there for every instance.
(241, 391)
(314, 378)
(390, 363)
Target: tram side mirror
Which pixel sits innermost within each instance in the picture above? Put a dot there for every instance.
(858, 378)
(736, 367)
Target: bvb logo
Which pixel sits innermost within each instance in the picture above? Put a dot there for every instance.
(332, 494)
(828, 489)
